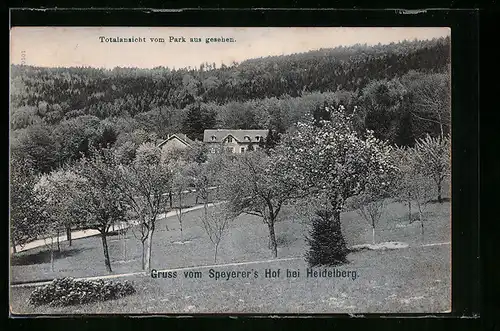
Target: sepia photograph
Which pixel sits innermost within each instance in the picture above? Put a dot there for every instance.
(211, 170)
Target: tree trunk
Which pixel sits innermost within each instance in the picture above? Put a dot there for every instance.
(58, 244)
(439, 186)
(171, 200)
(149, 245)
(107, 261)
(52, 254)
(421, 218)
(180, 200)
(205, 210)
(272, 238)
(373, 235)
(336, 219)
(143, 261)
(68, 235)
(409, 208)
(215, 255)
(124, 239)
(180, 214)
(182, 237)
(14, 249)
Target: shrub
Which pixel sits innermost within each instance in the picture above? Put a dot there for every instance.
(326, 242)
(68, 291)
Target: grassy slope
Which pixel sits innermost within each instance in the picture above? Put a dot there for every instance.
(407, 280)
(421, 284)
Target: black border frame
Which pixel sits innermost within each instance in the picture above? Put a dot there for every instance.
(464, 25)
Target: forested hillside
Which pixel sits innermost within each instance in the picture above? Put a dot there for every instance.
(401, 91)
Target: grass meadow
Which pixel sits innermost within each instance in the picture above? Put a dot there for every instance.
(413, 279)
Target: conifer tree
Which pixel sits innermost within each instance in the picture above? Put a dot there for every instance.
(326, 242)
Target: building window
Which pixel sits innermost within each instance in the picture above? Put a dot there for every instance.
(257, 138)
(230, 149)
(214, 138)
(242, 149)
(247, 138)
(229, 139)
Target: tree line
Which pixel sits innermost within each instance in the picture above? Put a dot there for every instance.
(59, 93)
(399, 110)
(401, 91)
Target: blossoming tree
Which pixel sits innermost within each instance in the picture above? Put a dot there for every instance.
(433, 159)
(142, 184)
(58, 197)
(333, 163)
(255, 185)
(100, 202)
(26, 219)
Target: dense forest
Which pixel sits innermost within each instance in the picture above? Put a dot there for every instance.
(401, 91)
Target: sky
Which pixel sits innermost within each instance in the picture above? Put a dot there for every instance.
(82, 46)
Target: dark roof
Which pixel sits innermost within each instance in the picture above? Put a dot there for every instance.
(182, 137)
(239, 135)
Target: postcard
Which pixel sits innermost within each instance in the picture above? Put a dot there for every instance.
(195, 170)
